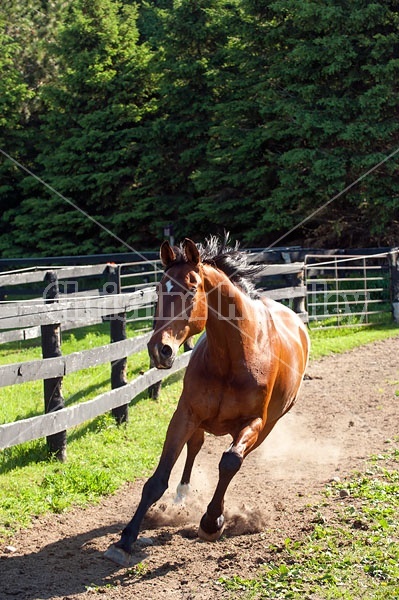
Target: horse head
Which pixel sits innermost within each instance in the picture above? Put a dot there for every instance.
(182, 306)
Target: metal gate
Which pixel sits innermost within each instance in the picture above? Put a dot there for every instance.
(344, 291)
(139, 276)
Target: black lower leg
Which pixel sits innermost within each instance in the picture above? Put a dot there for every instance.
(153, 490)
(213, 519)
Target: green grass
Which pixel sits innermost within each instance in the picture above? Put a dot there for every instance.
(352, 553)
(101, 456)
(26, 400)
(330, 341)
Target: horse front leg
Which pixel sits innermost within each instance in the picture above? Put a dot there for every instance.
(212, 523)
(194, 445)
(179, 432)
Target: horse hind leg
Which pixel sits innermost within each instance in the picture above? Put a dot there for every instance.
(212, 523)
(194, 445)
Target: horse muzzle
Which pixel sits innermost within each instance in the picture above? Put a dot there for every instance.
(162, 355)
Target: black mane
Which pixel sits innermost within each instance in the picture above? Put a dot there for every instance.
(232, 261)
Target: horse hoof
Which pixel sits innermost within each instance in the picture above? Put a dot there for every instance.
(214, 536)
(119, 556)
(210, 537)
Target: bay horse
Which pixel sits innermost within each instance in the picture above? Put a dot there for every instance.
(244, 373)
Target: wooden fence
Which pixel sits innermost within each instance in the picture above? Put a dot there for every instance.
(45, 317)
(118, 296)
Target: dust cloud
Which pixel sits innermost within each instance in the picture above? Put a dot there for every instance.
(291, 455)
(293, 452)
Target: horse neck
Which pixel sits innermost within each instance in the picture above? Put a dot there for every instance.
(228, 310)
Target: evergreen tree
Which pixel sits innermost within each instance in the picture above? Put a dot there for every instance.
(25, 31)
(89, 146)
(331, 105)
(239, 174)
(14, 95)
(190, 47)
(209, 114)
(308, 105)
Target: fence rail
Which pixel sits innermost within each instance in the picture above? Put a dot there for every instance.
(49, 424)
(59, 366)
(25, 314)
(36, 275)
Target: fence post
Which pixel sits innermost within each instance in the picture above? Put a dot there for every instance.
(51, 347)
(298, 303)
(118, 333)
(394, 271)
(294, 280)
(155, 388)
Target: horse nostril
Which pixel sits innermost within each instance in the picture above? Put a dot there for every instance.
(166, 351)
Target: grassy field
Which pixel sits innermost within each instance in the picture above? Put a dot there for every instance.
(31, 484)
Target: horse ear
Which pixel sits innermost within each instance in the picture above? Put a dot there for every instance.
(191, 251)
(167, 254)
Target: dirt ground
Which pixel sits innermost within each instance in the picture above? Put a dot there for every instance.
(347, 410)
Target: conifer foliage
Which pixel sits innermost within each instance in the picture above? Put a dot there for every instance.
(245, 115)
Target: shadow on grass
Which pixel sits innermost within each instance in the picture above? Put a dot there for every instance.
(23, 455)
(82, 394)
